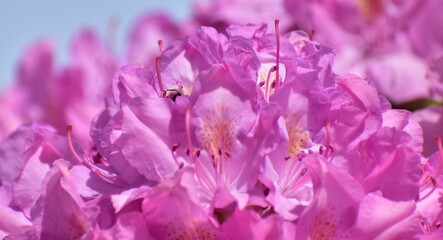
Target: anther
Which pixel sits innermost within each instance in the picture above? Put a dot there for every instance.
(160, 45)
(175, 146)
(321, 149)
(266, 191)
(312, 34)
(273, 84)
(267, 87)
(97, 157)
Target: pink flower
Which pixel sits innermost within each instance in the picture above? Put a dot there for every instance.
(431, 120)
(244, 135)
(223, 116)
(391, 42)
(72, 94)
(423, 23)
(302, 105)
(172, 214)
(31, 185)
(355, 115)
(341, 209)
(148, 29)
(221, 14)
(68, 221)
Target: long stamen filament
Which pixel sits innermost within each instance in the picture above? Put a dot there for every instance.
(429, 182)
(188, 132)
(440, 152)
(277, 57)
(159, 77)
(328, 139)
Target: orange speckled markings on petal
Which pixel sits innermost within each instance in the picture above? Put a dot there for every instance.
(326, 226)
(77, 228)
(193, 231)
(218, 131)
(298, 138)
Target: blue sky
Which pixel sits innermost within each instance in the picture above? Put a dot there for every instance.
(22, 22)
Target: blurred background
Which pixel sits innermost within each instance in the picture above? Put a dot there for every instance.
(23, 22)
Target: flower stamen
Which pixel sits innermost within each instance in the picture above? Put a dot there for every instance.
(267, 85)
(108, 177)
(328, 139)
(175, 146)
(440, 152)
(277, 55)
(427, 187)
(160, 45)
(159, 77)
(188, 133)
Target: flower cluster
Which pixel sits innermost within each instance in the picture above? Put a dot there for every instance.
(73, 94)
(58, 96)
(242, 135)
(391, 42)
(396, 44)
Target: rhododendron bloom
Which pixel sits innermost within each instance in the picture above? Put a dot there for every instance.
(245, 134)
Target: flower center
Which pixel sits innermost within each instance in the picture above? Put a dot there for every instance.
(325, 226)
(298, 137)
(266, 78)
(217, 132)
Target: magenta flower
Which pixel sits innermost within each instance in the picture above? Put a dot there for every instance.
(221, 14)
(430, 119)
(72, 94)
(148, 29)
(341, 209)
(394, 43)
(67, 222)
(243, 135)
(31, 185)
